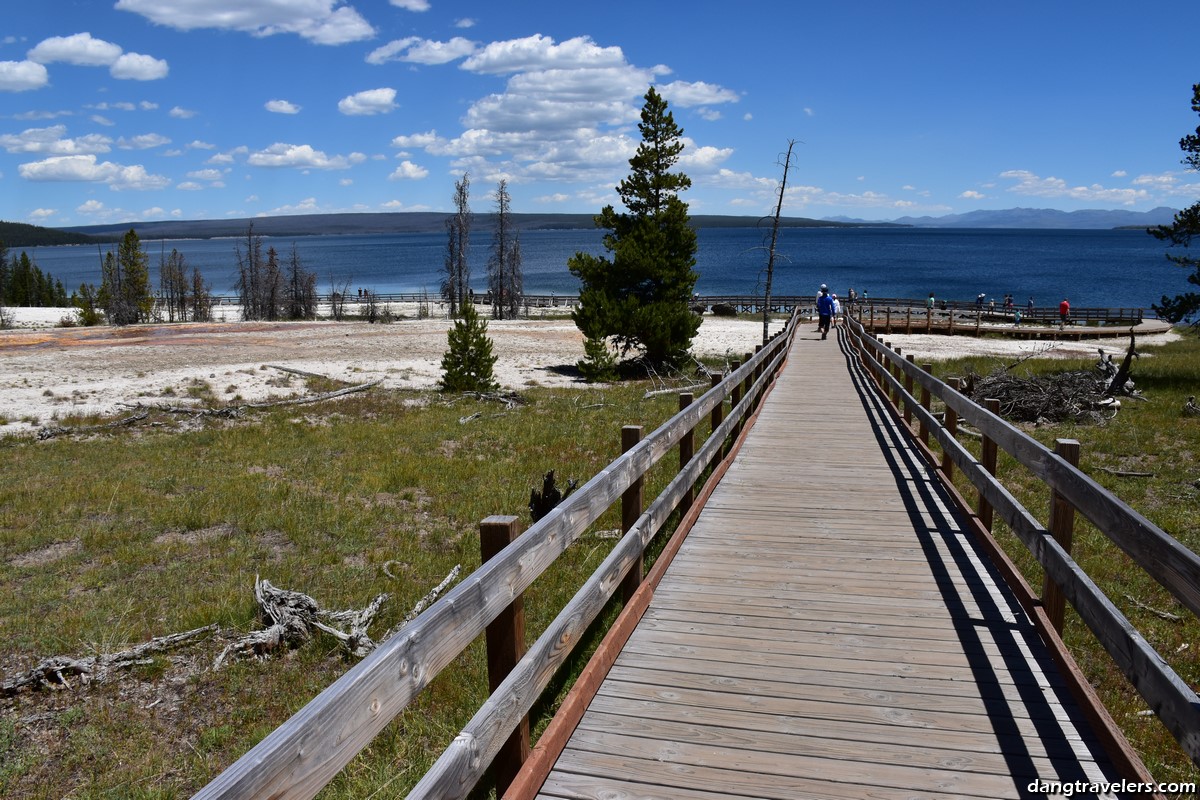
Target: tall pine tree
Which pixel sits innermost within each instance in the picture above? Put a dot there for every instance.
(1185, 227)
(125, 282)
(639, 299)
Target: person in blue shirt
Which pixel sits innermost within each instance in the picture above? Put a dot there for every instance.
(824, 311)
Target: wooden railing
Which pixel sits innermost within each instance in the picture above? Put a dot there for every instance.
(916, 316)
(306, 752)
(897, 311)
(1165, 559)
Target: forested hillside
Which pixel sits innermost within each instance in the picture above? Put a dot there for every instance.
(20, 234)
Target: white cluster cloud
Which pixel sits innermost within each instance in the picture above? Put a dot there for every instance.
(369, 102)
(319, 21)
(53, 141)
(86, 168)
(415, 50)
(83, 50)
(1035, 186)
(567, 111)
(80, 49)
(282, 107)
(538, 53)
(145, 141)
(22, 76)
(302, 156)
(408, 171)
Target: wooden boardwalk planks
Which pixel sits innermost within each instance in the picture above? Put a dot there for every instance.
(827, 630)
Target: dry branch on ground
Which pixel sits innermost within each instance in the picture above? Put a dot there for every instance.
(54, 671)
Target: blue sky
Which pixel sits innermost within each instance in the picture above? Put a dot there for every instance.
(123, 110)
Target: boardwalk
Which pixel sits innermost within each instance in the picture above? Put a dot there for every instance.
(827, 630)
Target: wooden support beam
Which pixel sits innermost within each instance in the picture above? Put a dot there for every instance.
(505, 647)
(988, 459)
(631, 508)
(687, 449)
(1062, 528)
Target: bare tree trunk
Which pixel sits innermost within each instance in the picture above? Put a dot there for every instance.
(787, 162)
(456, 288)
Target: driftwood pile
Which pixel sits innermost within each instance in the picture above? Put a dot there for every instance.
(1083, 396)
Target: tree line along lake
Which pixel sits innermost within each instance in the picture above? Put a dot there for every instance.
(1107, 268)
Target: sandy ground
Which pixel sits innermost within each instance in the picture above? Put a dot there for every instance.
(49, 373)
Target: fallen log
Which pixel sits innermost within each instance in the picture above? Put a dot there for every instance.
(50, 432)
(1121, 473)
(302, 373)
(53, 672)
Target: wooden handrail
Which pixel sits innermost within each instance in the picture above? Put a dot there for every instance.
(1162, 557)
(297, 759)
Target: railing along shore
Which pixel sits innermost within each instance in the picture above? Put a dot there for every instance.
(969, 313)
(306, 752)
(1161, 556)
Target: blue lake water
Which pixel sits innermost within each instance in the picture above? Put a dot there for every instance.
(1092, 268)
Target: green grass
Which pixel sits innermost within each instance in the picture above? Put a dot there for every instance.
(108, 541)
(1151, 436)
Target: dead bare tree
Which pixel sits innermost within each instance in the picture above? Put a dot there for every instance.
(504, 264)
(457, 284)
(787, 163)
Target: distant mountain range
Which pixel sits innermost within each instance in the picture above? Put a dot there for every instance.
(402, 222)
(21, 235)
(1093, 219)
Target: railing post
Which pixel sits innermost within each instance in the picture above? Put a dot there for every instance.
(925, 402)
(505, 647)
(717, 416)
(631, 509)
(758, 372)
(895, 370)
(908, 389)
(734, 398)
(988, 458)
(1062, 528)
(951, 426)
(748, 382)
(687, 449)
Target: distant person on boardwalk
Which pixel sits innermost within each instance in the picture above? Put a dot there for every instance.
(851, 296)
(979, 298)
(1029, 306)
(824, 311)
(929, 302)
(1016, 317)
(1064, 313)
(837, 308)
